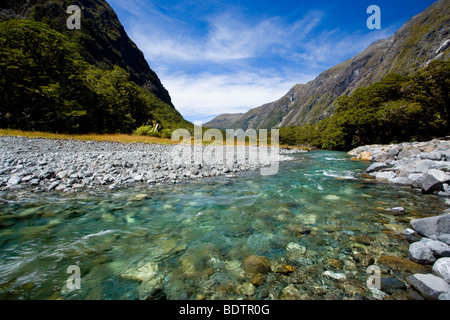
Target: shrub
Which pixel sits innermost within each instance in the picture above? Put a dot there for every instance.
(147, 131)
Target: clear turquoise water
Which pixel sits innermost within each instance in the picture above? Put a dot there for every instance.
(188, 241)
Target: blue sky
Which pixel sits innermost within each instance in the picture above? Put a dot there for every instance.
(219, 57)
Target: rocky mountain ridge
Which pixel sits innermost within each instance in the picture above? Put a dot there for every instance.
(422, 39)
(102, 38)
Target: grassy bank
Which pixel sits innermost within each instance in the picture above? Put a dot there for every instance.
(123, 138)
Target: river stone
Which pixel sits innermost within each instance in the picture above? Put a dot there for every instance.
(143, 273)
(429, 285)
(375, 167)
(408, 152)
(335, 275)
(389, 285)
(445, 238)
(365, 156)
(444, 296)
(53, 186)
(411, 235)
(292, 293)
(256, 264)
(384, 156)
(420, 253)
(429, 184)
(295, 251)
(414, 177)
(439, 175)
(439, 248)
(62, 174)
(377, 294)
(436, 156)
(432, 226)
(389, 175)
(402, 181)
(14, 180)
(441, 268)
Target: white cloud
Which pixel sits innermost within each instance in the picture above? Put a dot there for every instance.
(229, 37)
(207, 95)
(233, 64)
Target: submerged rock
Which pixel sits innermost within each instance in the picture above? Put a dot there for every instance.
(401, 264)
(429, 184)
(292, 293)
(256, 264)
(335, 275)
(390, 285)
(439, 248)
(375, 167)
(295, 251)
(411, 235)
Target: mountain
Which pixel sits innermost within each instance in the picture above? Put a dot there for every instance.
(103, 39)
(94, 79)
(422, 39)
(225, 121)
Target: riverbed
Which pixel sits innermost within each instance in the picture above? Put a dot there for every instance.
(319, 223)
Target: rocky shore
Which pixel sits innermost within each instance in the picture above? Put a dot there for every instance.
(72, 165)
(422, 165)
(425, 166)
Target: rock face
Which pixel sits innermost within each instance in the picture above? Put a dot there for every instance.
(419, 41)
(429, 285)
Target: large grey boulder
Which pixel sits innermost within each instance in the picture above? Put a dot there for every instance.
(375, 167)
(389, 175)
(428, 184)
(439, 175)
(402, 181)
(432, 226)
(445, 238)
(420, 253)
(439, 248)
(441, 268)
(408, 152)
(429, 285)
(432, 156)
(384, 156)
(14, 180)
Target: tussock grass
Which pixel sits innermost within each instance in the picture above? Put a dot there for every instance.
(123, 138)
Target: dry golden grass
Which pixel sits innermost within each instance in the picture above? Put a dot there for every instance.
(123, 138)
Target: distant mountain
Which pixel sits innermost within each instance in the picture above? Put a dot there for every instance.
(419, 41)
(224, 121)
(102, 37)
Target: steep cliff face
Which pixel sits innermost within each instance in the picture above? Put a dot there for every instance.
(419, 41)
(102, 38)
